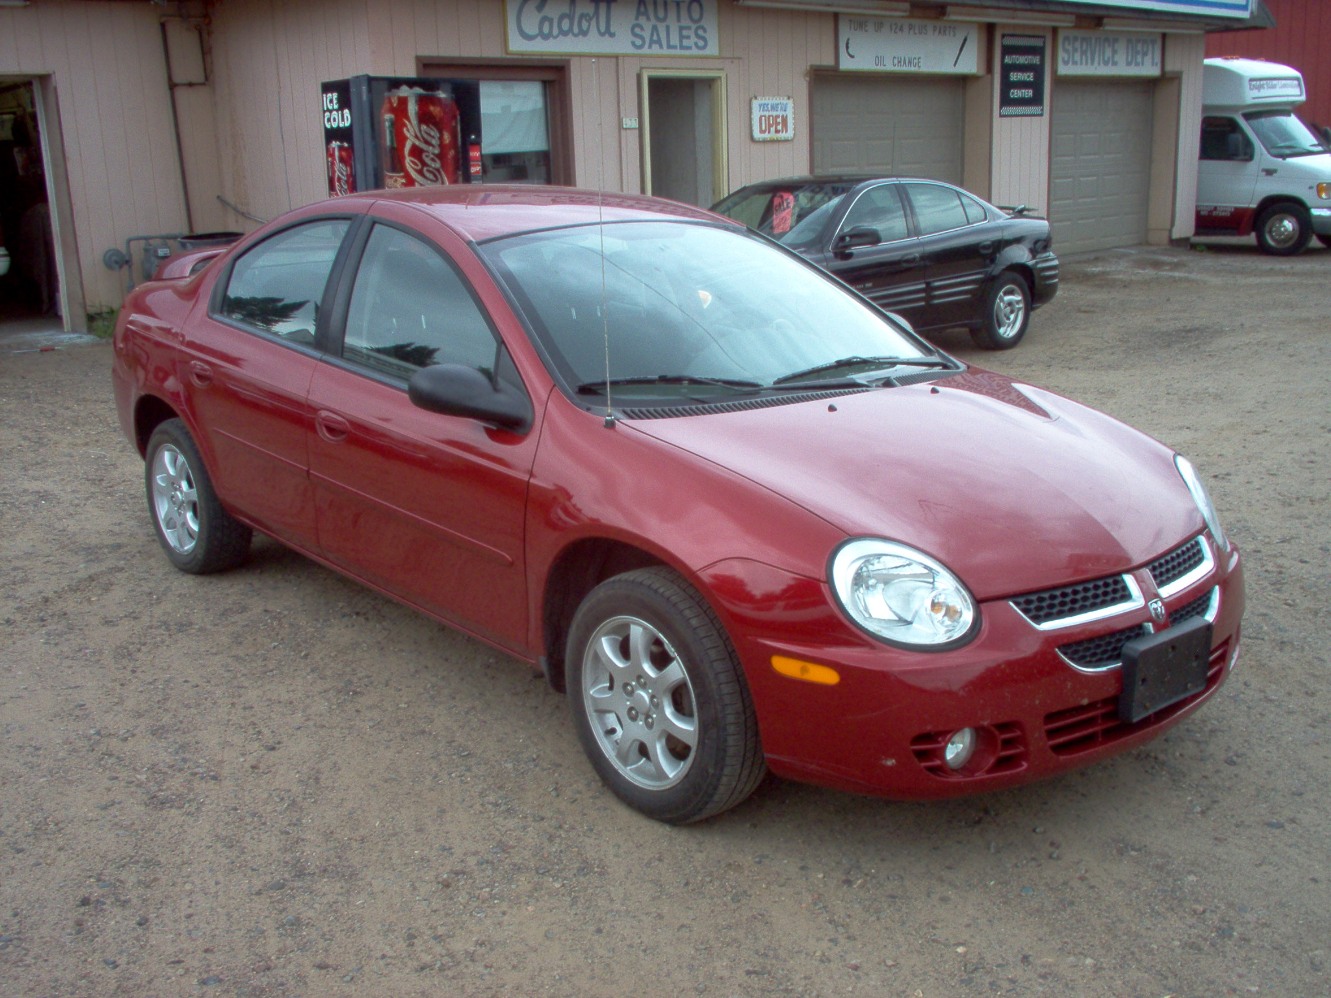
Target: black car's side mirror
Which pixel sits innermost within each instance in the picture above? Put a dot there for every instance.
(458, 390)
(859, 237)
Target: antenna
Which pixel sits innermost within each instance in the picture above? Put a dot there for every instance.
(600, 229)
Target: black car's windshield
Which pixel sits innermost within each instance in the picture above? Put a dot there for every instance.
(643, 305)
(1283, 134)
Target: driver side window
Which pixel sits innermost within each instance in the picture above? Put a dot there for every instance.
(879, 208)
(1224, 139)
(410, 309)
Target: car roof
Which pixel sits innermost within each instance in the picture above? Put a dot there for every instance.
(486, 211)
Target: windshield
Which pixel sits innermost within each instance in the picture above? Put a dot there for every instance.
(690, 306)
(793, 214)
(1283, 134)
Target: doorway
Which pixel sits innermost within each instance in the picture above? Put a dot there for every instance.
(30, 289)
(683, 135)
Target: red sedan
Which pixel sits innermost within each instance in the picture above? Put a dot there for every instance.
(746, 519)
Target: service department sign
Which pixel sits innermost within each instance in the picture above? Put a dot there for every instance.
(612, 27)
(1104, 53)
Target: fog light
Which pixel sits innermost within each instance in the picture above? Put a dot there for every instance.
(960, 747)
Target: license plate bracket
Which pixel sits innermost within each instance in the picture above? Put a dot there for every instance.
(1164, 668)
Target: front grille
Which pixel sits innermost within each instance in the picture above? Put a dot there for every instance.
(1097, 596)
(1104, 652)
(1171, 567)
(1080, 729)
(1200, 607)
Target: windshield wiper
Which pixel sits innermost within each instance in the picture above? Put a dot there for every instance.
(856, 361)
(599, 387)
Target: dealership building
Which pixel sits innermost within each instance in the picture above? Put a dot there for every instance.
(125, 124)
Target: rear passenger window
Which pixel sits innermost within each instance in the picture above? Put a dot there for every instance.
(937, 209)
(278, 286)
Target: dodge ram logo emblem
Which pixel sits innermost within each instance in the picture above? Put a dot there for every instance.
(1158, 611)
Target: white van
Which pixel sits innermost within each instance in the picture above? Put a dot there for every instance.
(1262, 169)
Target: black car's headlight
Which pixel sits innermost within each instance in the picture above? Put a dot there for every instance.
(901, 595)
(1203, 500)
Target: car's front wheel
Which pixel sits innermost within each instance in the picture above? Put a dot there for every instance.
(1284, 229)
(1007, 313)
(659, 698)
(198, 535)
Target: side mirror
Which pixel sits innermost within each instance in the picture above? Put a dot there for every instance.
(859, 237)
(458, 390)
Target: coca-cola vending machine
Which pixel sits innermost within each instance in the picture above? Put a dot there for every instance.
(398, 131)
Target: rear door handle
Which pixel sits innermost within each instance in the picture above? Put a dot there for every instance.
(986, 248)
(331, 426)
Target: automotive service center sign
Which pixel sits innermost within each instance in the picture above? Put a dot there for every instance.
(612, 27)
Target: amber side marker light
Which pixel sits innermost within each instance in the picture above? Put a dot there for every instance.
(810, 672)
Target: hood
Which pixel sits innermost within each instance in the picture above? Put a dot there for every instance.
(1013, 488)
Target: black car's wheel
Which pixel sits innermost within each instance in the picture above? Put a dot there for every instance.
(659, 699)
(1007, 313)
(1284, 229)
(198, 535)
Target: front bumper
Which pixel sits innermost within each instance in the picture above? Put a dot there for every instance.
(1042, 701)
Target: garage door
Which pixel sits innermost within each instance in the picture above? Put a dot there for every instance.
(1101, 164)
(909, 126)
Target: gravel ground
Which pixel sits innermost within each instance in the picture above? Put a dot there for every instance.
(274, 782)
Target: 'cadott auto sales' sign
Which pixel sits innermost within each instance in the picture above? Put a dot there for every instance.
(612, 27)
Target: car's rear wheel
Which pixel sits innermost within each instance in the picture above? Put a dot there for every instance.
(197, 534)
(1007, 313)
(659, 698)
(1284, 229)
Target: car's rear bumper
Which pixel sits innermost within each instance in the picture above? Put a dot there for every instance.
(1044, 268)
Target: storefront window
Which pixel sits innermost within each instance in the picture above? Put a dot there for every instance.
(515, 133)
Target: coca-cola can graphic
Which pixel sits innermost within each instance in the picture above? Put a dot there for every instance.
(341, 169)
(420, 138)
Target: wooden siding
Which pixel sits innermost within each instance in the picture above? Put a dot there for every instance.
(1020, 158)
(266, 52)
(107, 72)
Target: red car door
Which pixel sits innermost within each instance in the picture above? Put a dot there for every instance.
(428, 507)
(246, 370)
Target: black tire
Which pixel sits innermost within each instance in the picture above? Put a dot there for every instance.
(659, 698)
(1007, 313)
(1284, 229)
(196, 533)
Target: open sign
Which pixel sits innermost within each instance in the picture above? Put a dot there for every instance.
(773, 119)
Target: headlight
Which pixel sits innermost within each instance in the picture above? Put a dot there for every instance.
(1203, 500)
(900, 595)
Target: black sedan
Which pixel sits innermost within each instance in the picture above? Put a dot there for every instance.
(932, 253)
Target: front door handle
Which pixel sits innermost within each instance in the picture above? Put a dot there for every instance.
(909, 259)
(332, 427)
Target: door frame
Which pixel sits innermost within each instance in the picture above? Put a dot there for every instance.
(720, 149)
